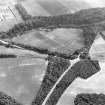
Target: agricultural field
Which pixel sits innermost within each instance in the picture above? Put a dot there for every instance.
(21, 77)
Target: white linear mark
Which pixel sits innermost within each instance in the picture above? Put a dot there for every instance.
(60, 78)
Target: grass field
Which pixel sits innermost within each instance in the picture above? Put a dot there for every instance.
(21, 78)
